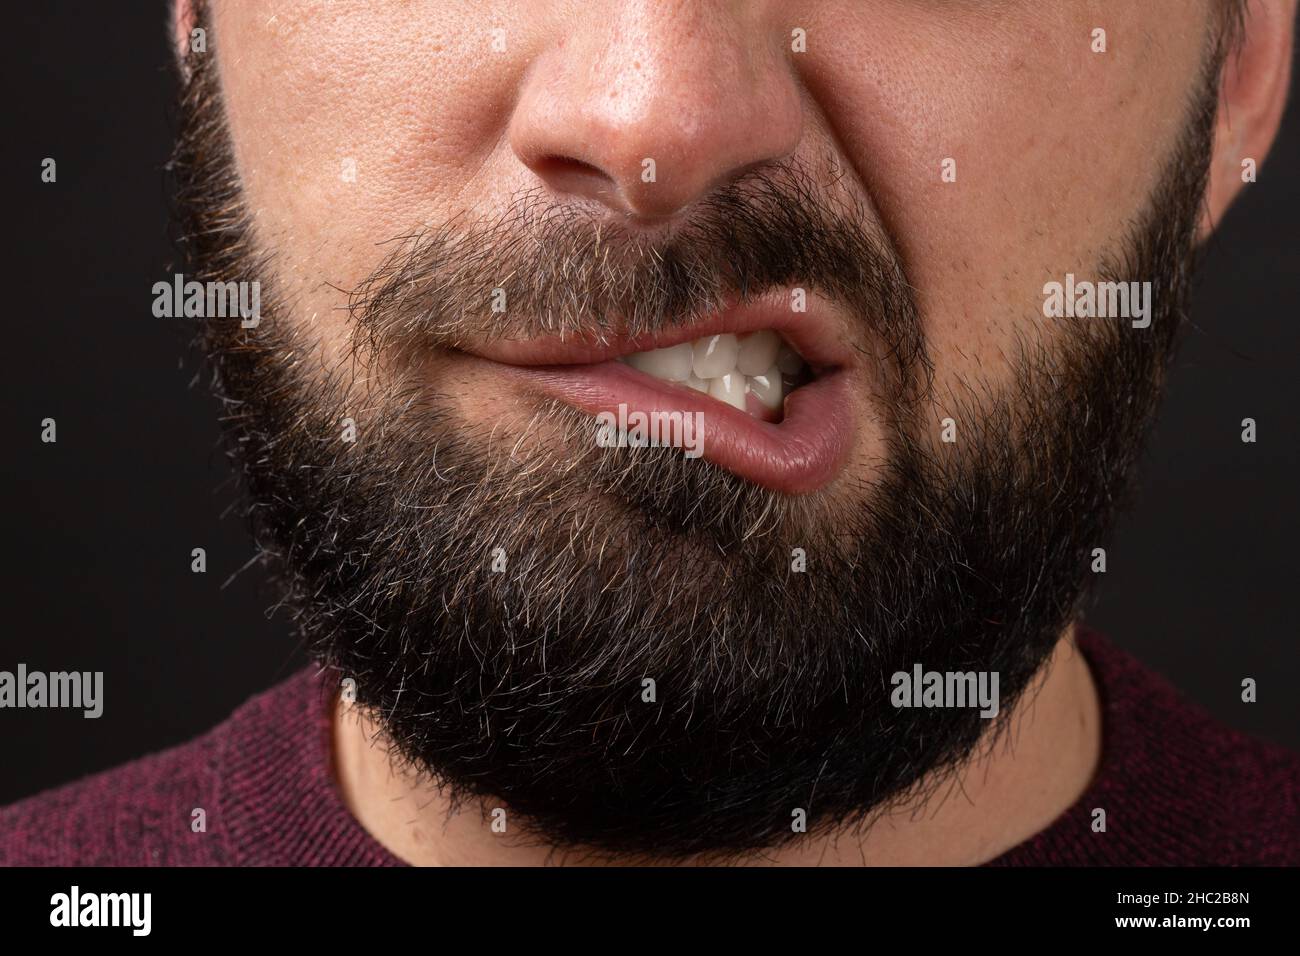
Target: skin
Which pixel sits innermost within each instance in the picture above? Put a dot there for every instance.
(1057, 149)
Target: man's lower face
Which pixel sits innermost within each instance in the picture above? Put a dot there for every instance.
(641, 651)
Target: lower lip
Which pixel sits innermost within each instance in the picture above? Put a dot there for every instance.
(798, 455)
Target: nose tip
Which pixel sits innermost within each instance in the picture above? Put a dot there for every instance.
(646, 121)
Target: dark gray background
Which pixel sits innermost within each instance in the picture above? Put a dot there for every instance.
(1202, 579)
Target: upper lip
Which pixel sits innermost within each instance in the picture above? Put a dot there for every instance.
(816, 334)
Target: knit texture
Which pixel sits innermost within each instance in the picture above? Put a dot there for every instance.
(1178, 788)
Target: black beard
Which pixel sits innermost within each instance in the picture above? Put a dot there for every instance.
(771, 686)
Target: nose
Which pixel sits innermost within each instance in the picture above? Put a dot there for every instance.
(651, 107)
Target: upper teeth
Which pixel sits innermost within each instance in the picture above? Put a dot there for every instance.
(726, 366)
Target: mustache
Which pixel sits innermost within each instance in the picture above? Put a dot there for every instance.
(549, 268)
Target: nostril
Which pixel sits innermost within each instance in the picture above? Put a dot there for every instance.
(568, 175)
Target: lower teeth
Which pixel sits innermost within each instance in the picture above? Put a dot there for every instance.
(731, 369)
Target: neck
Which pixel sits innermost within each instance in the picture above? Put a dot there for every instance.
(998, 798)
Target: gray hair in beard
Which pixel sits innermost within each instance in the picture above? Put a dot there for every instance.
(772, 686)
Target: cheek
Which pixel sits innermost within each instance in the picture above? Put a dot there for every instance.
(1001, 150)
(354, 121)
(366, 120)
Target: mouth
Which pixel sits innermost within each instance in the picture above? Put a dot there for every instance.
(767, 387)
(752, 372)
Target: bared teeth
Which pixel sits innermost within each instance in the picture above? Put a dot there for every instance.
(672, 363)
(789, 361)
(729, 368)
(768, 388)
(729, 388)
(715, 355)
(758, 352)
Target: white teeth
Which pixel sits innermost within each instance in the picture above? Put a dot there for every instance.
(757, 352)
(716, 355)
(672, 363)
(729, 388)
(767, 387)
(727, 367)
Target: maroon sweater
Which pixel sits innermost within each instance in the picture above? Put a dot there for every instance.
(1178, 789)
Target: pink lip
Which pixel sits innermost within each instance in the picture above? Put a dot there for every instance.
(817, 334)
(798, 455)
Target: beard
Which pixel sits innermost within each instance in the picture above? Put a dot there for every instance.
(616, 644)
